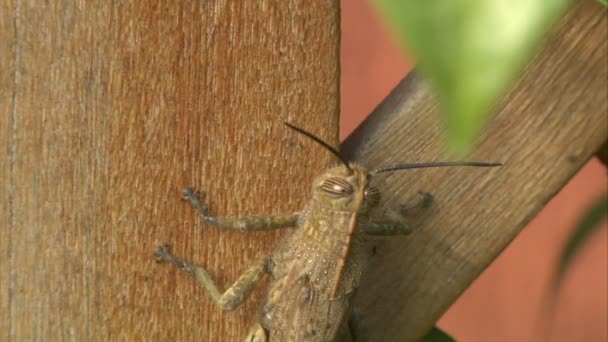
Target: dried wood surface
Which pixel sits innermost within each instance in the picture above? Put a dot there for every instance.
(546, 129)
(108, 110)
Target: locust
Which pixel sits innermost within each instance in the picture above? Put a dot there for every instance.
(316, 270)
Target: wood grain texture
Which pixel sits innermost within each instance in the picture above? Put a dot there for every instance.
(7, 76)
(545, 130)
(108, 111)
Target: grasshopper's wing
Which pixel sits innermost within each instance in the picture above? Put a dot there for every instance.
(297, 310)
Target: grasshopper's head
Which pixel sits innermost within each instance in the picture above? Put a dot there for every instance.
(347, 188)
(344, 188)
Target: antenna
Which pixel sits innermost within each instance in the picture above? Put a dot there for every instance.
(322, 143)
(433, 164)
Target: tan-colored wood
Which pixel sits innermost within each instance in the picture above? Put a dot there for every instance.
(108, 111)
(546, 129)
(7, 67)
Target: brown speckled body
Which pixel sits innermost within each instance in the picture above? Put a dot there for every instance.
(310, 294)
(316, 270)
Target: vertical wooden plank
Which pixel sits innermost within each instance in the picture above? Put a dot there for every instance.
(7, 81)
(118, 106)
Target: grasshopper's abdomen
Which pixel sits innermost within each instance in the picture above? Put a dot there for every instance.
(316, 271)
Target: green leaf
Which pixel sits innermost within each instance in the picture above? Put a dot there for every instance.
(470, 50)
(588, 224)
(603, 2)
(436, 335)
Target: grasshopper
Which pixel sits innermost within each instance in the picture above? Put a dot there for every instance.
(316, 270)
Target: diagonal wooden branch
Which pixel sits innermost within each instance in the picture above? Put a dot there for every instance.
(548, 127)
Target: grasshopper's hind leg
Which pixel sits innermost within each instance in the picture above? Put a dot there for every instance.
(234, 295)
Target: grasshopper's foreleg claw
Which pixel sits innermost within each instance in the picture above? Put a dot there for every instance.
(197, 200)
(190, 193)
(424, 201)
(163, 254)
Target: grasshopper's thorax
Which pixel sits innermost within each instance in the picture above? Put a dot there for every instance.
(340, 198)
(341, 201)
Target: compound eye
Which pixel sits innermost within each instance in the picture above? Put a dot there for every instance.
(337, 187)
(372, 196)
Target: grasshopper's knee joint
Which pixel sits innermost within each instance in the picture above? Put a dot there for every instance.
(426, 199)
(229, 301)
(257, 334)
(403, 229)
(227, 305)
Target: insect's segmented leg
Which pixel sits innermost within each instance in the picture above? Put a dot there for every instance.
(234, 295)
(387, 228)
(244, 223)
(354, 326)
(393, 221)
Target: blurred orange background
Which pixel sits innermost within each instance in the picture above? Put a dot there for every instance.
(506, 302)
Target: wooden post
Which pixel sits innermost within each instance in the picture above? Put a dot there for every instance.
(108, 111)
(547, 128)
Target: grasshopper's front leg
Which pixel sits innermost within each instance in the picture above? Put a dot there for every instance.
(244, 223)
(234, 295)
(393, 220)
(239, 291)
